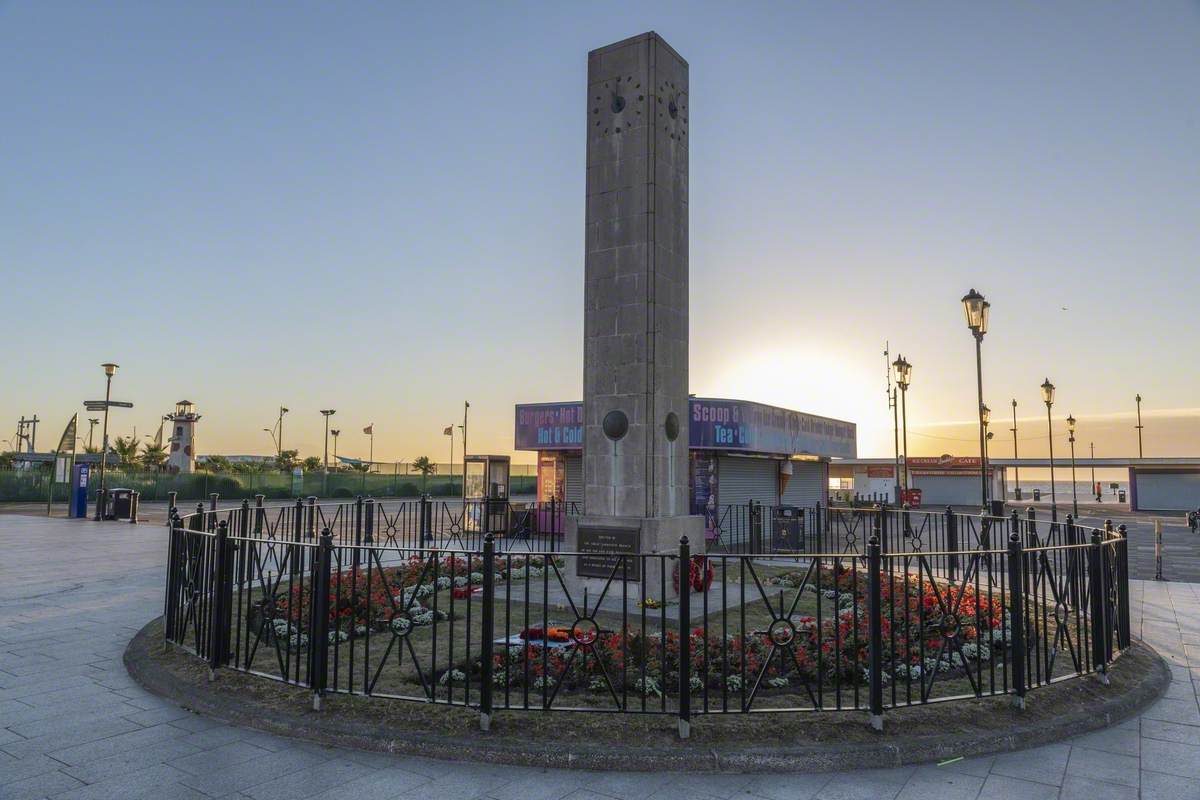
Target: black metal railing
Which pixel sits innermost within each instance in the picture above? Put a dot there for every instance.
(880, 608)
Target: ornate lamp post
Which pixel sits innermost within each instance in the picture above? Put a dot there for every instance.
(101, 500)
(1048, 399)
(985, 416)
(1138, 398)
(976, 310)
(1071, 439)
(903, 371)
(1016, 469)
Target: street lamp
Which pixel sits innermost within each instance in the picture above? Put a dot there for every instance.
(903, 378)
(279, 443)
(101, 503)
(92, 423)
(270, 432)
(327, 412)
(1016, 469)
(976, 310)
(1138, 398)
(335, 433)
(1071, 439)
(1095, 488)
(1048, 399)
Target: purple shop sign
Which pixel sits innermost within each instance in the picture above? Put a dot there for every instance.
(713, 424)
(549, 426)
(759, 428)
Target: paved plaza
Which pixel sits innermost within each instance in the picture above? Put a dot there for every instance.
(74, 725)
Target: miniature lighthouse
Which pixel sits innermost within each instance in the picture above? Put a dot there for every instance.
(183, 437)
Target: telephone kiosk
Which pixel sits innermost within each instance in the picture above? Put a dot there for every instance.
(486, 493)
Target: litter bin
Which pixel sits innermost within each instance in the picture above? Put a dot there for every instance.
(787, 529)
(997, 509)
(1037, 494)
(1120, 495)
(120, 503)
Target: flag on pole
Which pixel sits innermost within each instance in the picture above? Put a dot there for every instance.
(67, 442)
(449, 431)
(370, 429)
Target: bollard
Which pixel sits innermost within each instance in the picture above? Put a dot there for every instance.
(1158, 550)
(171, 498)
(260, 514)
(369, 521)
(298, 521)
(310, 530)
(134, 500)
(1016, 610)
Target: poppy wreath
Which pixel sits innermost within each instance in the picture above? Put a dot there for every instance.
(700, 574)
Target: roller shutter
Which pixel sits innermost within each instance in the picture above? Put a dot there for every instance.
(808, 484)
(573, 485)
(1166, 491)
(948, 490)
(740, 480)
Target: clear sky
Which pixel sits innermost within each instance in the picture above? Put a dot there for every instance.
(379, 208)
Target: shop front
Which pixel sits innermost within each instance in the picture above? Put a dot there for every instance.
(741, 452)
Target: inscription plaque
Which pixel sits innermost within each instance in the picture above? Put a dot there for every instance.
(601, 549)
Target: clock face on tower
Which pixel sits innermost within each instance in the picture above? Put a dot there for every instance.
(671, 111)
(617, 105)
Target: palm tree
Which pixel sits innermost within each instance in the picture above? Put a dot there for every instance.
(126, 448)
(153, 455)
(423, 465)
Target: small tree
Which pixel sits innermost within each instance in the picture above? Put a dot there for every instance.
(312, 464)
(287, 460)
(217, 464)
(423, 465)
(153, 455)
(126, 448)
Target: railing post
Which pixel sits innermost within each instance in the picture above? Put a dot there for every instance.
(260, 514)
(243, 533)
(218, 626)
(881, 529)
(1096, 574)
(369, 521)
(488, 634)
(1071, 536)
(1016, 613)
(173, 549)
(1031, 540)
(817, 527)
(685, 638)
(875, 631)
(318, 641)
(200, 518)
(1123, 588)
(952, 543)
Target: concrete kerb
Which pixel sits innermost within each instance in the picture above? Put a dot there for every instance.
(208, 699)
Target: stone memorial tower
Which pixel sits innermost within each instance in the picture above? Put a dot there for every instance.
(635, 377)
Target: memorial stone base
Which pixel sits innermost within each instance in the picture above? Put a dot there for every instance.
(653, 535)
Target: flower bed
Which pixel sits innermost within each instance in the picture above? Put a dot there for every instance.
(398, 598)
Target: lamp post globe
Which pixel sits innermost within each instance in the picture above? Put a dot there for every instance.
(1048, 399)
